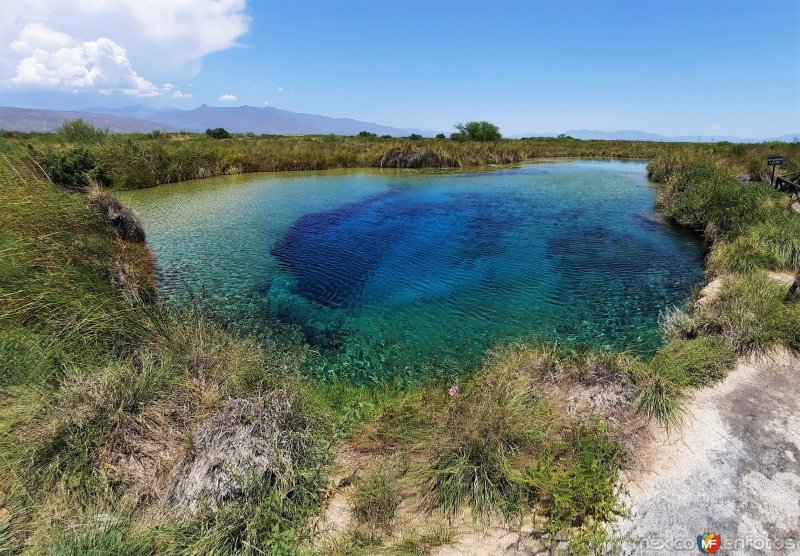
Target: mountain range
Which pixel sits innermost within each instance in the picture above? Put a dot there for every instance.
(239, 119)
(269, 120)
(35, 119)
(633, 135)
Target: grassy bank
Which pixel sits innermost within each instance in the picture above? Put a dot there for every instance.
(146, 160)
(115, 410)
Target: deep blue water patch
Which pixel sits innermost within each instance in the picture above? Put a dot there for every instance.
(411, 275)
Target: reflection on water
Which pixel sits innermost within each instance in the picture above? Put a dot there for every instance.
(407, 274)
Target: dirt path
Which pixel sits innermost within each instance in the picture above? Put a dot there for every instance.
(733, 469)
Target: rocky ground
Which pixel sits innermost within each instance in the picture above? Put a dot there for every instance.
(733, 469)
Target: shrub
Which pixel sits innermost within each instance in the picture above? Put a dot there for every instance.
(415, 137)
(367, 134)
(218, 133)
(79, 131)
(376, 499)
(441, 136)
(576, 477)
(76, 169)
(479, 131)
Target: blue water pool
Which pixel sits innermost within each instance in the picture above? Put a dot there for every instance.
(409, 274)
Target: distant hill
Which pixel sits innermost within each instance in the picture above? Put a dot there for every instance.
(239, 119)
(34, 119)
(633, 135)
(243, 119)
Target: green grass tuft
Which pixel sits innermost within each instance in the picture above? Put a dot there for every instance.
(376, 499)
(661, 399)
(753, 314)
(698, 362)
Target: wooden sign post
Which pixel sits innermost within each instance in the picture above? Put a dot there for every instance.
(774, 161)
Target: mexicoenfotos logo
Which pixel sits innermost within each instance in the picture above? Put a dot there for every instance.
(708, 542)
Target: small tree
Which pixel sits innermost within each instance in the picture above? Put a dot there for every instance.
(477, 131)
(218, 133)
(367, 134)
(415, 136)
(441, 136)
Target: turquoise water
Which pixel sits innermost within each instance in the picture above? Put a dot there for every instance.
(392, 274)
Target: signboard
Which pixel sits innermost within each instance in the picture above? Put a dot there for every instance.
(775, 161)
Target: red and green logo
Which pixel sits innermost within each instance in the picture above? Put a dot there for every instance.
(708, 543)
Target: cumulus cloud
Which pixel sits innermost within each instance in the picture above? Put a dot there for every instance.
(38, 35)
(124, 45)
(227, 98)
(279, 89)
(102, 65)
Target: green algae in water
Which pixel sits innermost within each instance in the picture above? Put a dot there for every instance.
(393, 275)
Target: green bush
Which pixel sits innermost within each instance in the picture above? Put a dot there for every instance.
(576, 477)
(76, 169)
(218, 133)
(78, 131)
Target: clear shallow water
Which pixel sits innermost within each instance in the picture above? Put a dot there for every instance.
(393, 274)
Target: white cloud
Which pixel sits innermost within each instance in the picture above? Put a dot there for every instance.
(227, 98)
(101, 65)
(279, 89)
(38, 35)
(120, 45)
(174, 92)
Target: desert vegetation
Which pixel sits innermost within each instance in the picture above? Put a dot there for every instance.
(129, 426)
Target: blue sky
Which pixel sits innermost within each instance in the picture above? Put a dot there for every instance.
(679, 67)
